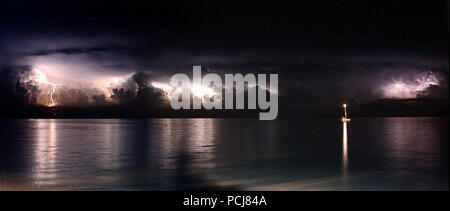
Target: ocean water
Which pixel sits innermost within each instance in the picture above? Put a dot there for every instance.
(224, 154)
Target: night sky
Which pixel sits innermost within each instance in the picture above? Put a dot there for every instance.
(325, 52)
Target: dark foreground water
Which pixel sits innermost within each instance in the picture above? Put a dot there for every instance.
(225, 154)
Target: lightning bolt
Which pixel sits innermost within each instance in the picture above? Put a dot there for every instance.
(41, 78)
(51, 93)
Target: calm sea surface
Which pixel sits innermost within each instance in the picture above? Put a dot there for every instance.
(224, 154)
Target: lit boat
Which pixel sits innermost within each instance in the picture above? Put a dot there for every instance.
(344, 118)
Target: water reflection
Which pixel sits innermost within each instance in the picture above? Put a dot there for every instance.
(344, 149)
(230, 154)
(46, 148)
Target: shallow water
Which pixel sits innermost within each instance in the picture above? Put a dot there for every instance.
(224, 154)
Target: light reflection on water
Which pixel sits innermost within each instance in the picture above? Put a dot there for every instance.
(231, 154)
(44, 172)
(344, 149)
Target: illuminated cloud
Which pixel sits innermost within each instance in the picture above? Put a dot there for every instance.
(403, 88)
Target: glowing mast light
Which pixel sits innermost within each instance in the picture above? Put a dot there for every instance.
(344, 118)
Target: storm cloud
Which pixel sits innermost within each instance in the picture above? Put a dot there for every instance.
(109, 54)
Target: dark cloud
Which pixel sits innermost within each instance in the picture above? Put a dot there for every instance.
(138, 92)
(79, 50)
(99, 99)
(123, 96)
